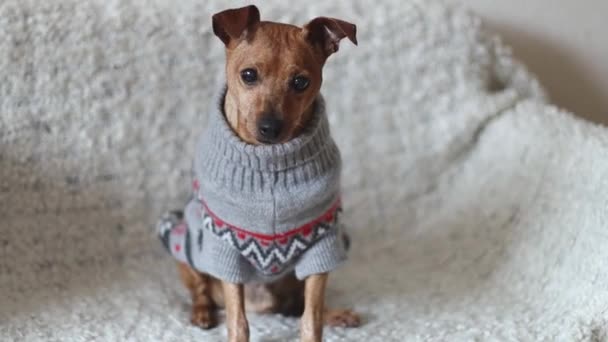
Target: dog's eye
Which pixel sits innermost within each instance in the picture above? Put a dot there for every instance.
(300, 83)
(249, 76)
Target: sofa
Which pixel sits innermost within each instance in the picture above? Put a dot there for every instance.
(477, 210)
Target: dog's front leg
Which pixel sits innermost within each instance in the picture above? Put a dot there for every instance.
(236, 320)
(314, 298)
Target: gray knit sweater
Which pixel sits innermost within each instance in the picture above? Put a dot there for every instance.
(259, 212)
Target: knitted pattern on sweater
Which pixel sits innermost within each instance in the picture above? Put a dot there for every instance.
(259, 212)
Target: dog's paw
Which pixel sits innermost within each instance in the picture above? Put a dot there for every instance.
(342, 318)
(203, 317)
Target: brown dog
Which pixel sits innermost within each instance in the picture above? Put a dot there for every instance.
(271, 68)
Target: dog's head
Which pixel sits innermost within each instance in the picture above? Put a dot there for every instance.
(274, 71)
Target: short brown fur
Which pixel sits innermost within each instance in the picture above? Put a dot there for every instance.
(278, 52)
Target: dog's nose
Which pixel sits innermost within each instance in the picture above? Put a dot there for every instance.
(270, 129)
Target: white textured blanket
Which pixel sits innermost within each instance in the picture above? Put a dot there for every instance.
(477, 211)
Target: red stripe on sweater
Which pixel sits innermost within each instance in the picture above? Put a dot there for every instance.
(305, 229)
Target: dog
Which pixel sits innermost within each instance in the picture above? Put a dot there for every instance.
(272, 98)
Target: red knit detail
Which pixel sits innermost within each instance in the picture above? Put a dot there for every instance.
(281, 238)
(307, 229)
(179, 230)
(271, 254)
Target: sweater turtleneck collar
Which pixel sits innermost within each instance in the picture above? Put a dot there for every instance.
(311, 144)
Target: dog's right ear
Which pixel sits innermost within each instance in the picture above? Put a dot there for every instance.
(234, 24)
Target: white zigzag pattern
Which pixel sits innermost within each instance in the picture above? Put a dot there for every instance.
(283, 258)
(208, 222)
(251, 248)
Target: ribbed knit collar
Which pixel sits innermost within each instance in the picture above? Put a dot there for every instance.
(310, 144)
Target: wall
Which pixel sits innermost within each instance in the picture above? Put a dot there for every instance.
(564, 42)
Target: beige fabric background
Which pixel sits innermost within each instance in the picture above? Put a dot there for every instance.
(477, 211)
(563, 42)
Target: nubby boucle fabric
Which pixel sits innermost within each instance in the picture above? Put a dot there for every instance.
(476, 210)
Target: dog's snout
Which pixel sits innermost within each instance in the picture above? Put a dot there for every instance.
(269, 129)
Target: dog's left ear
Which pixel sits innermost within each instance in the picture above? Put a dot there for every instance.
(235, 24)
(326, 33)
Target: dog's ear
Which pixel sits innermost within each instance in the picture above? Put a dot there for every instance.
(237, 23)
(326, 33)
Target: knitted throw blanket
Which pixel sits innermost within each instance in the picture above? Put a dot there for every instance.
(478, 210)
(259, 212)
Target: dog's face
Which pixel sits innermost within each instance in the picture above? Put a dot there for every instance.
(273, 80)
(274, 71)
